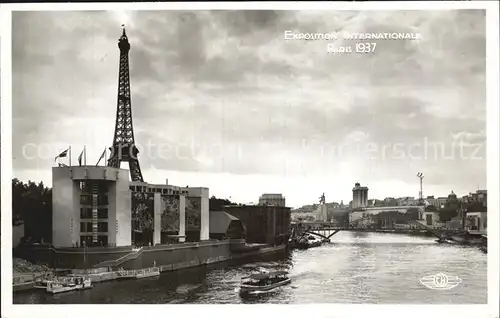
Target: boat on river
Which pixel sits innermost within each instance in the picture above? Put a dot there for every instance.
(68, 284)
(307, 242)
(263, 282)
(314, 241)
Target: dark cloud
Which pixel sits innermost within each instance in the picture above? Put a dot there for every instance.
(241, 23)
(229, 94)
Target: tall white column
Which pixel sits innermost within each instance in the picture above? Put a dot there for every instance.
(122, 203)
(205, 216)
(182, 218)
(157, 219)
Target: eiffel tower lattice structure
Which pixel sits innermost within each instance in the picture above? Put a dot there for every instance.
(124, 148)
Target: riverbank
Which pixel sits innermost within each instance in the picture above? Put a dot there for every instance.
(105, 274)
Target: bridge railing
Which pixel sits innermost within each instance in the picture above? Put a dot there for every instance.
(322, 226)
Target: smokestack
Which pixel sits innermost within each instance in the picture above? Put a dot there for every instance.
(166, 181)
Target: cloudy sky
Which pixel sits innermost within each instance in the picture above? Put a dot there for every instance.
(220, 99)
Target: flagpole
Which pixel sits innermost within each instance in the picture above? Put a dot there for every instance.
(105, 157)
(84, 155)
(69, 148)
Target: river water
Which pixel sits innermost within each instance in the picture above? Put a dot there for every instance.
(354, 268)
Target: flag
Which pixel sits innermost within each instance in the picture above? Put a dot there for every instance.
(62, 154)
(80, 158)
(102, 156)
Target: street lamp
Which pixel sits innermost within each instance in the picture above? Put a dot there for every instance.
(420, 175)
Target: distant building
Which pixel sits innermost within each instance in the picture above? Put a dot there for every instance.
(480, 196)
(452, 201)
(263, 223)
(407, 201)
(370, 212)
(391, 202)
(275, 199)
(476, 221)
(359, 196)
(431, 220)
(437, 202)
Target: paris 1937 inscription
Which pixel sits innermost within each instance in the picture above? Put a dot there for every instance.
(351, 42)
(360, 48)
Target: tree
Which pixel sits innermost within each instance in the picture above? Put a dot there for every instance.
(32, 205)
(216, 204)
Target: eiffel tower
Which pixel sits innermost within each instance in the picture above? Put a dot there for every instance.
(124, 149)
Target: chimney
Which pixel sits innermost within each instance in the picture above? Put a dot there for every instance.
(166, 181)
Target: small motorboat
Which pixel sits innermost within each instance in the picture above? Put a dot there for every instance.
(307, 242)
(148, 272)
(313, 241)
(263, 282)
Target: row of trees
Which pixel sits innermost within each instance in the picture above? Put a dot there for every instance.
(32, 205)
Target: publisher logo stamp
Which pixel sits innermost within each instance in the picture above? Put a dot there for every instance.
(440, 281)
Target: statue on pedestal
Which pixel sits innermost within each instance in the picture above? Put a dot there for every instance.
(322, 199)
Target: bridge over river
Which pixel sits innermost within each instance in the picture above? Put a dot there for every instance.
(326, 229)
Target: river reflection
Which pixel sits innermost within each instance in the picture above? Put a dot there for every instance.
(354, 268)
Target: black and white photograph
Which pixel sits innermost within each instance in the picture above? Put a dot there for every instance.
(251, 156)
